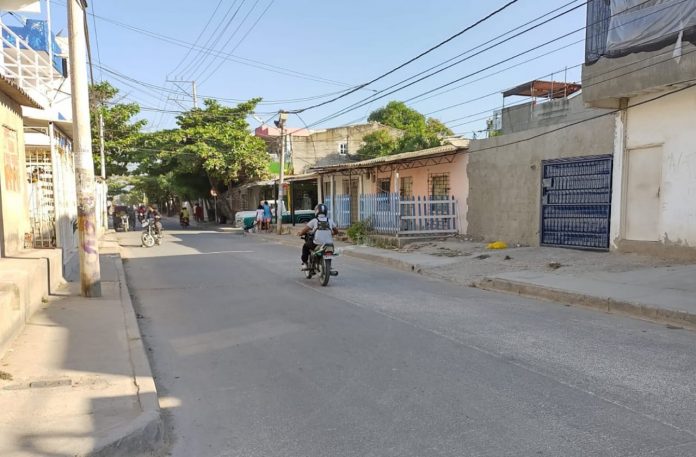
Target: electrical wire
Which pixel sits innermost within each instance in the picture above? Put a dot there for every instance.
(413, 59)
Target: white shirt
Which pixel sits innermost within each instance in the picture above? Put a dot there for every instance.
(321, 236)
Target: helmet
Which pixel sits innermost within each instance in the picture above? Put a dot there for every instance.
(321, 209)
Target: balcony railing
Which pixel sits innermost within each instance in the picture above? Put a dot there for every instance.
(29, 69)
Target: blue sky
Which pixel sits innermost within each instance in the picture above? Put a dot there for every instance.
(345, 42)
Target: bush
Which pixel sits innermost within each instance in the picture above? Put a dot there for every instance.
(359, 231)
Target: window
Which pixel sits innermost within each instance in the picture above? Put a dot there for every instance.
(383, 185)
(406, 186)
(439, 185)
(343, 148)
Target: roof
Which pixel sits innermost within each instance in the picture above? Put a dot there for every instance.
(548, 89)
(34, 118)
(447, 149)
(16, 93)
(302, 177)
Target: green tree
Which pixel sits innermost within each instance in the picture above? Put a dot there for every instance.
(121, 132)
(419, 131)
(211, 147)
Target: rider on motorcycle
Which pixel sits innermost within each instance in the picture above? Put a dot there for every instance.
(156, 217)
(318, 231)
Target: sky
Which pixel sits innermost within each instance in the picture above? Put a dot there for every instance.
(302, 49)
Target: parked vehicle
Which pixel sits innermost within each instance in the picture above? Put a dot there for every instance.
(151, 234)
(319, 263)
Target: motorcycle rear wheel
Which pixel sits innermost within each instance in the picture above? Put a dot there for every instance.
(325, 271)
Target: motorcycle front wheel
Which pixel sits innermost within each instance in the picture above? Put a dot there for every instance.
(325, 273)
(148, 240)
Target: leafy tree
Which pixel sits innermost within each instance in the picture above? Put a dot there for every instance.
(420, 132)
(121, 133)
(211, 147)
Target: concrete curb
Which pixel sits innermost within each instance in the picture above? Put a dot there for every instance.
(145, 433)
(606, 304)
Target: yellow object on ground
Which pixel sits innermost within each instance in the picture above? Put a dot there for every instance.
(497, 245)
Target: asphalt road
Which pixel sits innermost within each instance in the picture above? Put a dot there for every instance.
(251, 359)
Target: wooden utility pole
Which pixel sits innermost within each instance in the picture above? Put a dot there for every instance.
(90, 276)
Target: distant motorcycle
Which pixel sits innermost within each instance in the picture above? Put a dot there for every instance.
(151, 234)
(319, 263)
(184, 221)
(125, 224)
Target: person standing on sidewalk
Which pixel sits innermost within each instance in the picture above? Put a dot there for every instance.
(267, 215)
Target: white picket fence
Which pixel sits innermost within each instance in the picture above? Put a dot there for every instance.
(391, 214)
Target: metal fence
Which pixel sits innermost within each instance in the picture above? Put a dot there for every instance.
(339, 209)
(428, 215)
(382, 212)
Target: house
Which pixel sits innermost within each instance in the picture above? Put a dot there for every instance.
(544, 178)
(412, 193)
(305, 149)
(640, 62)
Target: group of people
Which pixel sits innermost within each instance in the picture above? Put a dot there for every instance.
(264, 216)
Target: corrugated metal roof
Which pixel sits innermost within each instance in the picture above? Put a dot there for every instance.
(16, 93)
(403, 157)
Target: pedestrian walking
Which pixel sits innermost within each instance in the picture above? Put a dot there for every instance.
(259, 216)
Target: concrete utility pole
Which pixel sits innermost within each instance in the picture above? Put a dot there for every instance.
(282, 117)
(90, 276)
(194, 93)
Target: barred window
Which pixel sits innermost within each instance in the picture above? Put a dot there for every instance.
(439, 184)
(384, 185)
(406, 186)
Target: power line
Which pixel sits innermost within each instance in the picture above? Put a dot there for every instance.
(263, 13)
(377, 96)
(201, 55)
(200, 35)
(400, 66)
(362, 103)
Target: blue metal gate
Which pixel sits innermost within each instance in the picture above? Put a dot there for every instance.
(576, 202)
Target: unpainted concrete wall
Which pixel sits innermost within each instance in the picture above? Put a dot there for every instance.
(528, 116)
(505, 176)
(608, 80)
(322, 148)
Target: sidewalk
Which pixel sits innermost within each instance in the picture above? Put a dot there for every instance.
(640, 286)
(77, 380)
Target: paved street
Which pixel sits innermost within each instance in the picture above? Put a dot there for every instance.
(251, 359)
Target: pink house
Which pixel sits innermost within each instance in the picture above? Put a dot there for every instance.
(383, 188)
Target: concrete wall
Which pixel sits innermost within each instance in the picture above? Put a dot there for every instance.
(323, 147)
(14, 216)
(666, 127)
(505, 176)
(552, 112)
(608, 80)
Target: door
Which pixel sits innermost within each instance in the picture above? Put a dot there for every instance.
(643, 182)
(576, 202)
(354, 200)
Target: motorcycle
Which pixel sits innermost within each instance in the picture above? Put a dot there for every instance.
(124, 223)
(184, 221)
(151, 235)
(319, 263)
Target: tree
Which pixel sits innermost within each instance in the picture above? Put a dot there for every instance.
(419, 131)
(211, 147)
(121, 133)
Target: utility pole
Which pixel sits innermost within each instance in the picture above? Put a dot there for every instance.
(102, 155)
(282, 117)
(194, 94)
(90, 276)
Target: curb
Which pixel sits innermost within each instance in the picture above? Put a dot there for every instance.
(606, 304)
(145, 433)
